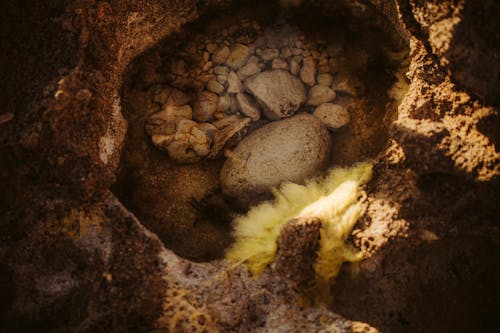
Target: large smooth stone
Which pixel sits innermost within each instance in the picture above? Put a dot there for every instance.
(278, 92)
(293, 149)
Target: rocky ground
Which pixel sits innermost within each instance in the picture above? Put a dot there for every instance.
(85, 109)
(205, 89)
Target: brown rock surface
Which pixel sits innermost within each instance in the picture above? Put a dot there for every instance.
(72, 258)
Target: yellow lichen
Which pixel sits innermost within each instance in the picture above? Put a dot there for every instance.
(335, 199)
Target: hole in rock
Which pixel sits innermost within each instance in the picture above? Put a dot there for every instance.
(283, 94)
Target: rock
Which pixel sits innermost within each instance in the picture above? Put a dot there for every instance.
(161, 94)
(269, 54)
(215, 87)
(221, 70)
(172, 112)
(219, 115)
(178, 67)
(324, 69)
(207, 66)
(325, 79)
(348, 85)
(190, 144)
(206, 56)
(292, 149)
(279, 64)
(224, 103)
(229, 135)
(164, 123)
(178, 98)
(220, 55)
(205, 106)
(208, 129)
(247, 108)
(234, 83)
(234, 107)
(211, 47)
(285, 53)
(248, 70)
(320, 94)
(296, 51)
(294, 67)
(239, 56)
(308, 71)
(222, 79)
(226, 121)
(253, 60)
(278, 92)
(334, 116)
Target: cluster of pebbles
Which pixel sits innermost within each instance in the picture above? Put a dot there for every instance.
(245, 75)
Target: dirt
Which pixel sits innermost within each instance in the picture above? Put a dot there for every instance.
(73, 258)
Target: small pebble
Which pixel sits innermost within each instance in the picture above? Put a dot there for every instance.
(279, 64)
(211, 47)
(325, 79)
(215, 87)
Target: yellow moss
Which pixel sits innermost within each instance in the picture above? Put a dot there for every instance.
(335, 199)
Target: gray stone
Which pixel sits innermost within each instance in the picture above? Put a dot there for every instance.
(224, 103)
(215, 87)
(205, 106)
(248, 70)
(320, 94)
(211, 47)
(220, 55)
(221, 70)
(239, 56)
(334, 116)
(234, 83)
(269, 54)
(278, 92)
(292, 149)
(285, 53)
(325, 79)
(222, 79)
(247, 108)
(279, 64)
(294, 67)
(178, 98)
(207, 66)
(308, 71)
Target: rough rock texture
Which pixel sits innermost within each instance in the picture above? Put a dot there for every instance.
(292, 149)
(279, 93)
(298, 244)
(72, 258)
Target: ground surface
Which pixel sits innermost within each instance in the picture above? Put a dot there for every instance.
(73, 258)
